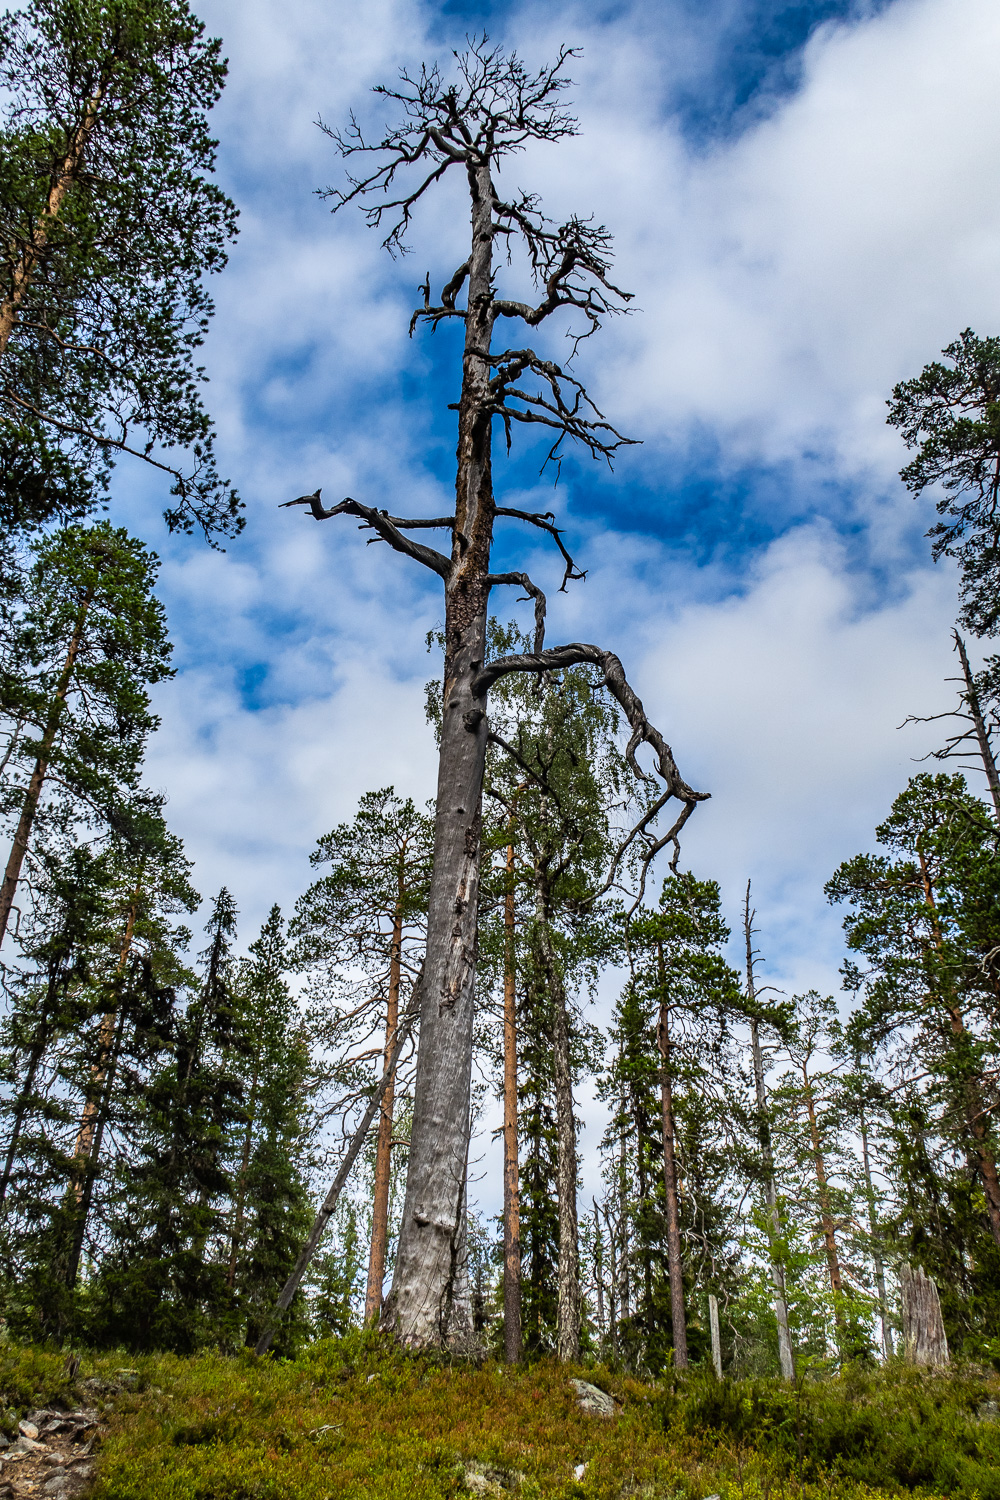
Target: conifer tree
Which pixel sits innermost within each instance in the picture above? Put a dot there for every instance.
(163, 1283)
(93, 639)
(367, 913)
(923, 917)
(270, 1214)
(110, 223)
(672, 1027)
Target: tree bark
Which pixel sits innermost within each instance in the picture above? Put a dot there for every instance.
(786, 1358)
(511, 1186)
(69, 171)
(675, 1264)
(924, 1339)
(383, 1148)
(19, 848)
(423, 1307)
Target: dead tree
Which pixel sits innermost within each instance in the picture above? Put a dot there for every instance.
(924, 1339)
(980, 722)
(490, 109)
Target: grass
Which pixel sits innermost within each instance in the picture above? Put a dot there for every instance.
(396, 1427)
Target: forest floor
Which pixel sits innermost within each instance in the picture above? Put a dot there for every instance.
(350, 1418)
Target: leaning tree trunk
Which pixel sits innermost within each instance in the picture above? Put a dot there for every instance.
(675, 1264)
(424, 1308)
(30, 259)
(22, 834)
(383, 1147)
(511, 1186)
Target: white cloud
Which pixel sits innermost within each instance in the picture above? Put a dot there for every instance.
(786, 280)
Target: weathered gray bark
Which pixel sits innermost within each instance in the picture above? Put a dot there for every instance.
(713, 1321)
(924, 1339)
(422, 1307)
(786, 1358)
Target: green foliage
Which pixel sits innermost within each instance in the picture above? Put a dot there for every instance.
(109, 224)
(951, 415)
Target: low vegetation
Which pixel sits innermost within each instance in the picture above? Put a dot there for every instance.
(356, 1418)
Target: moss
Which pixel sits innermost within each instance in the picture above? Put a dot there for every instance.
(356, 1419)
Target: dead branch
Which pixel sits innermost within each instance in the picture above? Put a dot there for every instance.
(381, 522)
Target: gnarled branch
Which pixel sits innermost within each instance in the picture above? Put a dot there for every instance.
(381, 522)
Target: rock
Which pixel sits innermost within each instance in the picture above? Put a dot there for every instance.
(4, 1441)
(591, 1399)
(26, 1444)
(128, 1378)
(480, 1482)
(27, 1429)
(988, 1412)
(57, 1485)
(579, 1472)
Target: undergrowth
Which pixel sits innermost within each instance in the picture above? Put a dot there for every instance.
(357, 1418)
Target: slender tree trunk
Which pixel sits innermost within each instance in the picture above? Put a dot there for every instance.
(424, 1308)
(624, 1245)
(599, 1277)
(383, 1147)
(105, 1039)
(883, 1306)
(568, 1313)
(19, 848)
(90, 1177)
(24, 271)
(982, 736)
(975, 1113)
(786, 1358)
(675, 1263)
(511, 1189)
(826, 1217)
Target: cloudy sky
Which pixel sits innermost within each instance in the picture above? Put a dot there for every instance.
(805, 203)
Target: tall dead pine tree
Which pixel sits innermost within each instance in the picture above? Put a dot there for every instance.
(490, 109)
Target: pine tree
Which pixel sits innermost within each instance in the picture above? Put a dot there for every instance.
(93, 638)
(109, 224)
(367, 913)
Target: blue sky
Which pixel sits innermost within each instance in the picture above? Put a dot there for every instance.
(805, 203)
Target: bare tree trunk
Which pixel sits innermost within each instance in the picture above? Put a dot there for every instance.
(924, 1338)
(786, 1358)
(69, 172)
(982, 735)
(713, 1321)
(19, 848)
(883, 1306)
(511, 1186)
(423, 1306)
(975, 1112)
(675, 1264)
(383, 1148)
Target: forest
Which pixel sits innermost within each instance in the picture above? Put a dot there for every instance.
(792, 1187)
